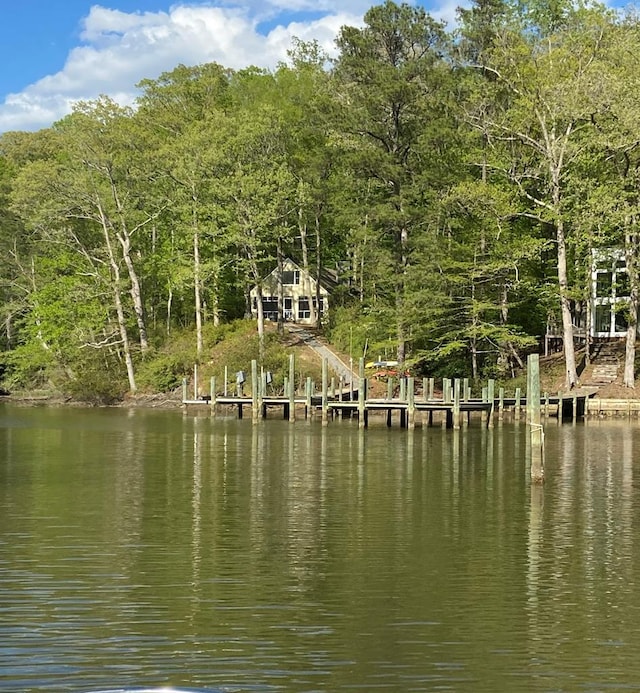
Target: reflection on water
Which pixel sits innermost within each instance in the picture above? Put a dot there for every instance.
(151, 548)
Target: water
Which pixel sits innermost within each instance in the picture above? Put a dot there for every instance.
(147, 549)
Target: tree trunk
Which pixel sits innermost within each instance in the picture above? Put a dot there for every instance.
(197, 289)
(260, 309)
(280, 261)
(117, 297)
(571, 375)
(632, 329)
(302, 228)
(135, 291)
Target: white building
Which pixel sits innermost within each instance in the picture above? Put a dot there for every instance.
(610, 293)
(299, 290)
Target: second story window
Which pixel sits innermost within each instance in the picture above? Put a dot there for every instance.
(291, 277)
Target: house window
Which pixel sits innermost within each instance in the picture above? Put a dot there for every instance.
(622, 284)
(603, 318)
(603, 284)
(291, 277)
(270, 307)
(303, 308)
(288, 308)
(621, 318)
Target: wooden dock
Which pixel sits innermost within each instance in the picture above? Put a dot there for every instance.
(414, 402)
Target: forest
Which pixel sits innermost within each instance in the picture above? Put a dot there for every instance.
(458, 180)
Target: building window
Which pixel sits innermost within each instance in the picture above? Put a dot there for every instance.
(291, 277)
(270, 307)
(304, 311)
(603, 284)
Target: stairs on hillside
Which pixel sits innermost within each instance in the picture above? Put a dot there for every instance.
(605, 363)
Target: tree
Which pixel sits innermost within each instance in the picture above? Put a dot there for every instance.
(389, 78)
(542, 101)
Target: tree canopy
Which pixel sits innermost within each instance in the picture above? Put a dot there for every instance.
(458, 181)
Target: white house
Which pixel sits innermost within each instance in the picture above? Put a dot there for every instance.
(610, 293)
(299, 290)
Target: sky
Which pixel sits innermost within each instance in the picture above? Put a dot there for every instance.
(56, 52)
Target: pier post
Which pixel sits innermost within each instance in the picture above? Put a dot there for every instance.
(485, 398)
(255, 392)
(536, 433)
(212, 394)
(184, 390)
(361, 396)
(325, 399)
(432, 387)
(308, 394)
(292, 388)
(195, 381)
(226, 380)
(465, 390)
(518, 404)
(403, 389)
(501, 403)
(411, 404)
(560, 407)
(491, 395)
(456, 403)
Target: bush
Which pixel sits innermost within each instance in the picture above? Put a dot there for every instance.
(98, 382)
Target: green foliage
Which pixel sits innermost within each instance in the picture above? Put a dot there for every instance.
(98, 381)
(459, 180)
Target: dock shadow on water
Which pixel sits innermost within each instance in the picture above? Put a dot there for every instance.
(209, 555)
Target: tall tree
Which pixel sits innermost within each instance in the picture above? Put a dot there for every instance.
(542, 100)
(389, 78)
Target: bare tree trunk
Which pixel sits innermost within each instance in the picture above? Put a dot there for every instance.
(632, 328)
(122, 323)
(197, 288)
(302, 228)
(260, 309)
(280, 261)
(169, 303)
(571, 375)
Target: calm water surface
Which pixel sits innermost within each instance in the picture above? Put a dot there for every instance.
(144, 548)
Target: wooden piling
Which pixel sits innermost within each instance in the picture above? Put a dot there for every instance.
(325, 398)
(456, 403)
(491, 395)
(361, 396)
(292, 388)
(308, 396)
(501, 403)
(212, 395)
(226, 381)
(535, 425)
(195, 381)
(411, 403)
(184, 389)
(518, 404)
(256, 399)
(560, 406)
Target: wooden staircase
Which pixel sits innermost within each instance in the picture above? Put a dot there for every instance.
(605, 364)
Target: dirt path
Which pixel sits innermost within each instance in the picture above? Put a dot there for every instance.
(336, 364)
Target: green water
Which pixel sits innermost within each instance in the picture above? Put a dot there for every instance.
(146, 548)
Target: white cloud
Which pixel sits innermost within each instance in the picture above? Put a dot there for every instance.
(119, 49)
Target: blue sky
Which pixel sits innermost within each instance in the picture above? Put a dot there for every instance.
(55, 52)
